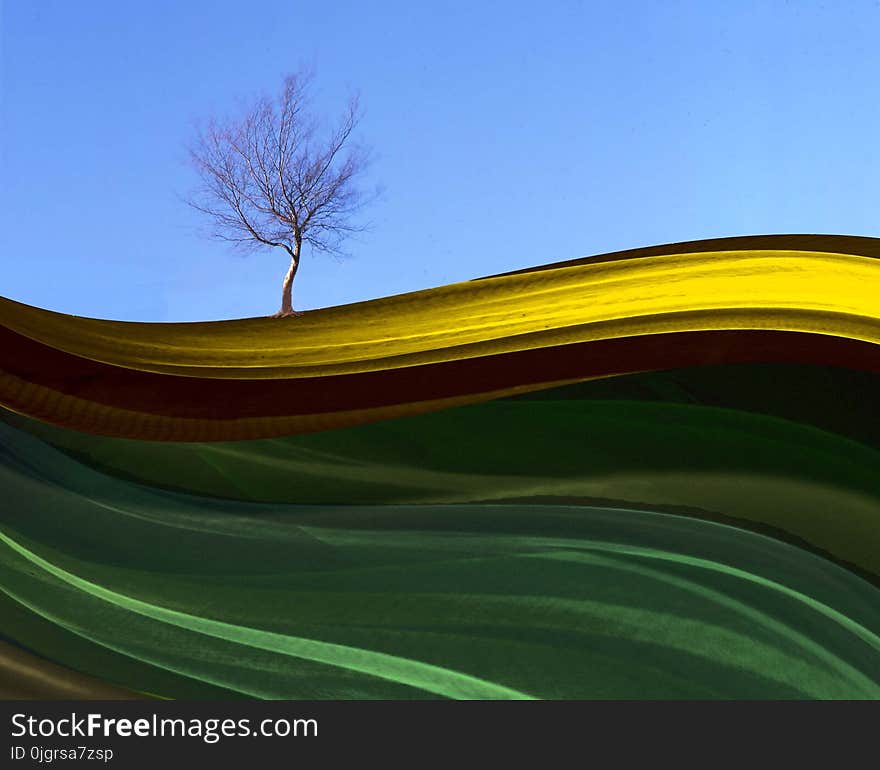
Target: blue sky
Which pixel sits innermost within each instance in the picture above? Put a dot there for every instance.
(507, 134)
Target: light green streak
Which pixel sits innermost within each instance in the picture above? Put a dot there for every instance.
(152, 661)
(568, 551)
(835, 664)
(568, 545)
(424, 676)
(693, 561)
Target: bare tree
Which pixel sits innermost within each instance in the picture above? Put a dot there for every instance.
(273, 178)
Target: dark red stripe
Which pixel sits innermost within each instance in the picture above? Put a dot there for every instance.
(222, 399)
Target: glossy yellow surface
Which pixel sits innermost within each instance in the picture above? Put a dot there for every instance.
(834, 294)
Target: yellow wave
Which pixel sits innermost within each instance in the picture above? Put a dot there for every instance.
(784, 290)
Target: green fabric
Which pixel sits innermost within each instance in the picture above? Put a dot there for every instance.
(565, 545)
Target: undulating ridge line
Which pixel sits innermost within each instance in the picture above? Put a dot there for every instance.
(441, 347)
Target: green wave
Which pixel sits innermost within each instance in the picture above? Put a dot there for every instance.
(182, 595)
(673, 453)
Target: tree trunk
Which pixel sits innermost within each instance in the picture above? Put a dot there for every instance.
(287, 286)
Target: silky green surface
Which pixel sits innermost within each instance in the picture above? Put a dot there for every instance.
(180, 595)
(782, 289)
(710, 532)
(690, 442)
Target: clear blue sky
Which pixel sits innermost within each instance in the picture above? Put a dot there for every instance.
(508, 134)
